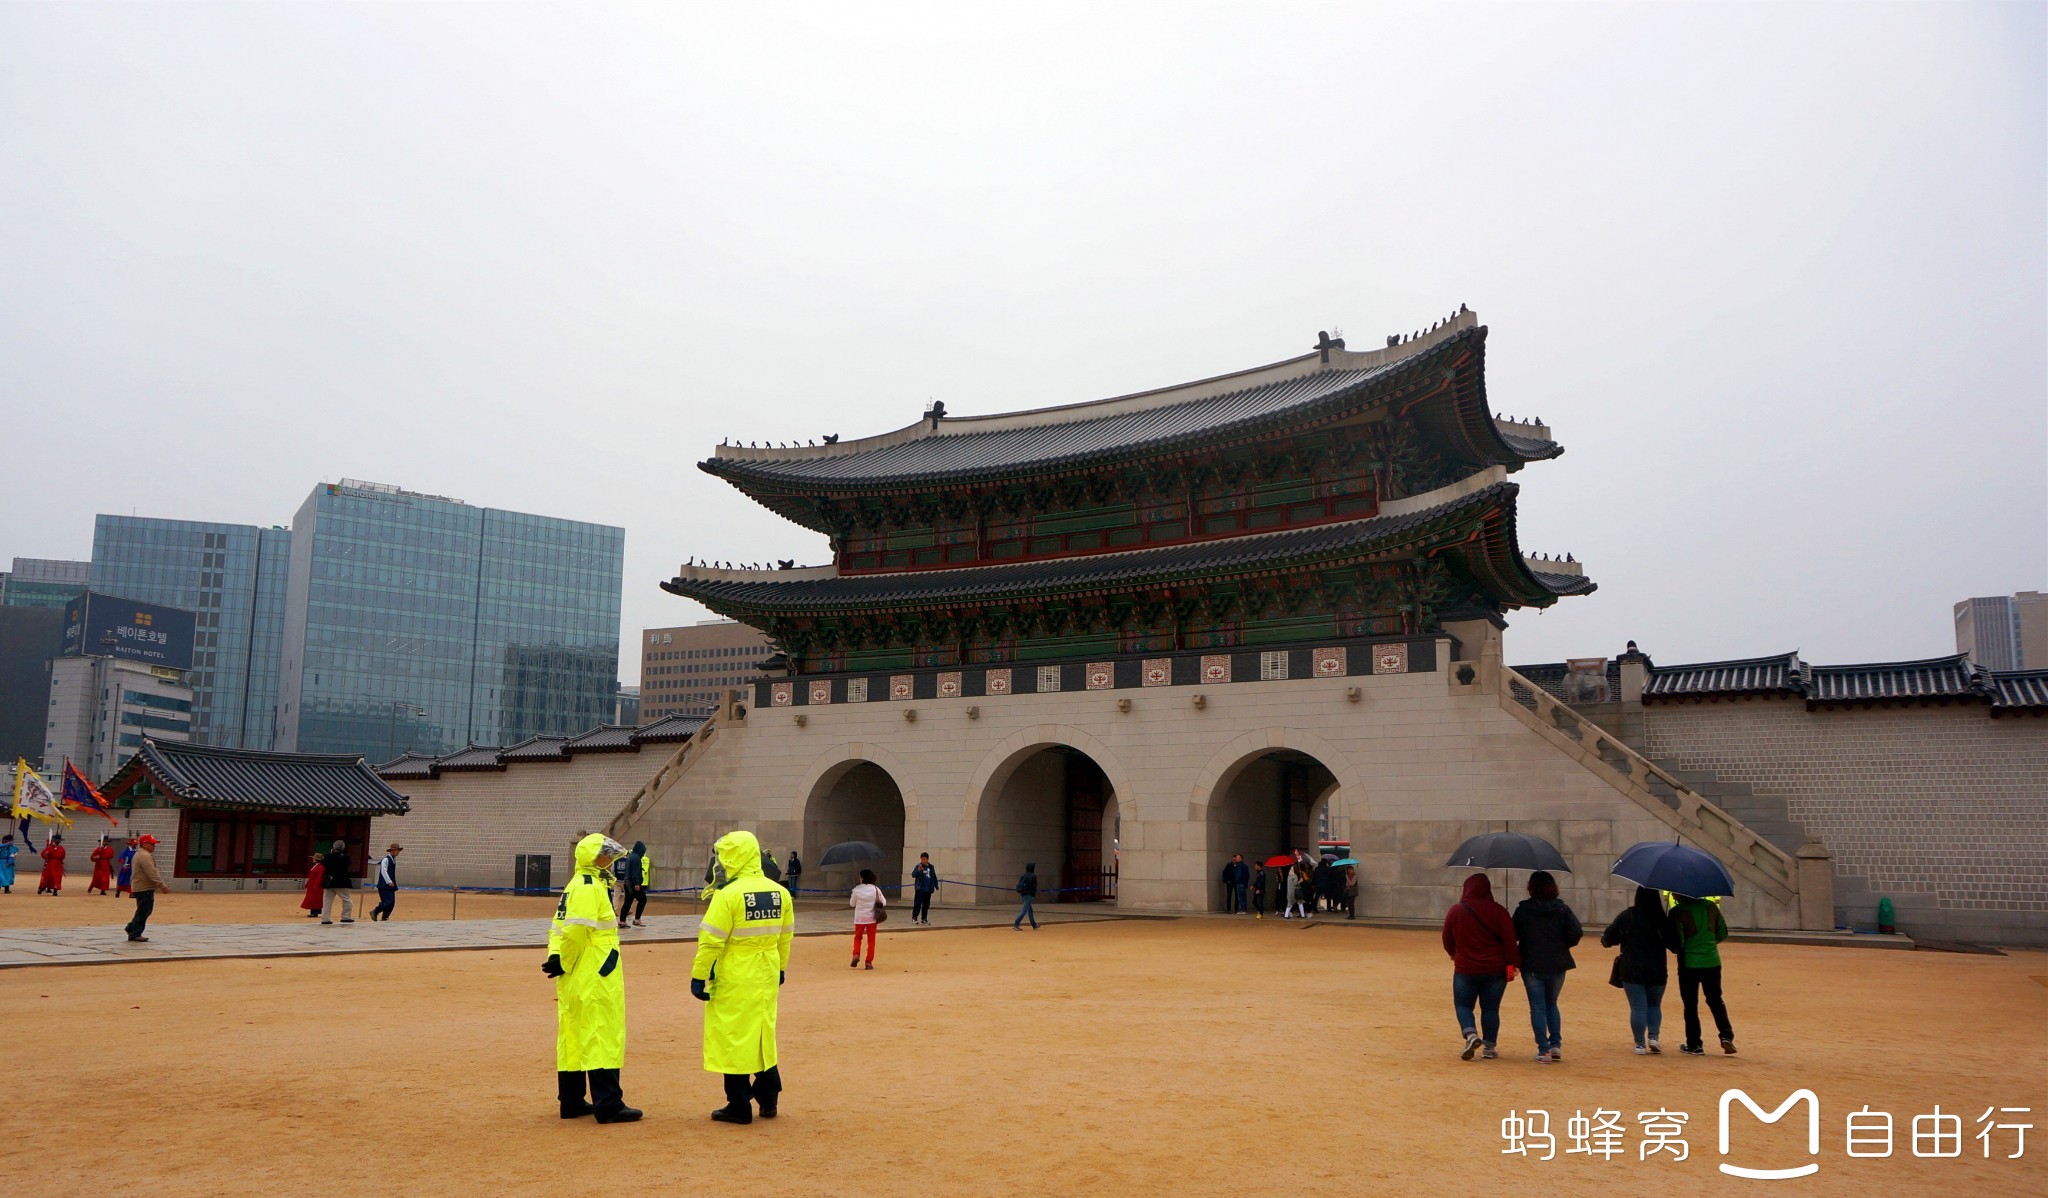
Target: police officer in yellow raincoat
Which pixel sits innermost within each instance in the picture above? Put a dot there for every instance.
(590, 988)
(742, 960)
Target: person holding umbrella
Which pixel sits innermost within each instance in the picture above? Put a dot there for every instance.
(1695, 878)
(1643, 934)
(1480, 939)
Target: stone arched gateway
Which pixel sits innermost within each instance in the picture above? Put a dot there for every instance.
(855, 792)
(1053, 796)
(1270, 792)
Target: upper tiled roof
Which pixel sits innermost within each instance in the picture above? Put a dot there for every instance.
(959, 451)
(1127, 570)
(251, 780)
(475, 757)
(1780, 674)
(536, 748)
(669, 728)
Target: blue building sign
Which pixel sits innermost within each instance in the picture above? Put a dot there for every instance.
(107, 626)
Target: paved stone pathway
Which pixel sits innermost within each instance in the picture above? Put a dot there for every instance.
(107, 944)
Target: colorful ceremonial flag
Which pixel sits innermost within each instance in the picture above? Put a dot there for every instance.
(32, 797)
(79, 794)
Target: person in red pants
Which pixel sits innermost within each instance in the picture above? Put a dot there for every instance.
(868, 904)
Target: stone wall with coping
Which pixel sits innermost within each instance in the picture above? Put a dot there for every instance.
(1942, 809)
(1420, 764)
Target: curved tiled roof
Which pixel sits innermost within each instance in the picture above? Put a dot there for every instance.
(1779, 674)
(408, 765)
(2020, 689)
(605, 738)
(1126, 570)
(668, 728)
(475, 757)
(1954, 677)
(252, 780)
(536, 748)
(959, 452)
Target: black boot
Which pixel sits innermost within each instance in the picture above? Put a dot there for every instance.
(610, 1104)
(768, 1090)
(569, 1089)
(739, 1106)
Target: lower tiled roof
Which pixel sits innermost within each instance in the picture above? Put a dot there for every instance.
(1779, 674)
(1951, 679)
(249, 779)
(668, 728)
(475, 757)
(536, 748)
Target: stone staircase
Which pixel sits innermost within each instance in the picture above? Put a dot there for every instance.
(1769, 816)
(1752, 856)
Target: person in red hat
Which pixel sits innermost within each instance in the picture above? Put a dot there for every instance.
(148, 883)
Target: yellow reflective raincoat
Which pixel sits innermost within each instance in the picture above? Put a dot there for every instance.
(590, 996)
(742, 949)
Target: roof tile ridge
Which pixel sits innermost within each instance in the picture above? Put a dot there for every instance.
(1284, 370)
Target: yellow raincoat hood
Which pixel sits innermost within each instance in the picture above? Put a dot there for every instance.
(739, 853)
(593, 846)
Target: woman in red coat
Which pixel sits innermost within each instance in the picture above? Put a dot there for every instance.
(102, 868)
(316, 894)
(53, 865)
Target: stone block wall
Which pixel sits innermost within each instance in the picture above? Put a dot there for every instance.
(1943, 809)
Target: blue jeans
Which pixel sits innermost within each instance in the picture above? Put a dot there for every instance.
(1024, 913)
(1544, 1016)
(1484, 989)
(1645, 1010)
(1242, 893)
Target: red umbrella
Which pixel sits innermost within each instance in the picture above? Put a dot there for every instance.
(1279, 859)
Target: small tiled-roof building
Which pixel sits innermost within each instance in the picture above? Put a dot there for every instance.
(249, 813)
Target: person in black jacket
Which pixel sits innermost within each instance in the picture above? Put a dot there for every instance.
(1643, 933)
(1237, 881)
(1320, 879)
(1027, 889)
(1546, 929)
(337, 881)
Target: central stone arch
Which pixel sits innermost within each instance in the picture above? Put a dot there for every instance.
(1055, 796)
(1269, 792)
(855, 792)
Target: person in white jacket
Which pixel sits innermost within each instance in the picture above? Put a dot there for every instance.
(868, 904)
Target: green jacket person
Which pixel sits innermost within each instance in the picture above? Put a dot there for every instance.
(590, 988)
(742, 957)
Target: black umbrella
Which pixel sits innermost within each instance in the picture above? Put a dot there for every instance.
(1508, 850)
(849, 853)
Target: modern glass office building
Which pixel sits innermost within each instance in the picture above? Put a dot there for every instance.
(43, 582)
(233, 577)
(420, 622)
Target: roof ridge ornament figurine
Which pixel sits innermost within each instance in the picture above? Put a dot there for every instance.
(1325, 343)
(936, 412)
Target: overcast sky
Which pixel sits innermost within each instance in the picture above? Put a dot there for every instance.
(1776, 275)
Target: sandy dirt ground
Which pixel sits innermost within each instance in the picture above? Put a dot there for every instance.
(1198, 1056)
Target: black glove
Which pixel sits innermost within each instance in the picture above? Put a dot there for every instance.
(782, 977)
(553, 966)
(698, 991)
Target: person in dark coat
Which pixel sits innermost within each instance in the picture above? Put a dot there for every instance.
(1643, 933)
(1237, 883)
(1480, 938)
(1259, 893)
(1545, 931)
(924, 885)
(793, 872)
(1320, 881)
(338, 881)
(1027, 890)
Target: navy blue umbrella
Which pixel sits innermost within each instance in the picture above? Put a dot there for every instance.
(1678, 868)
(849, 853)
(1508, 850)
